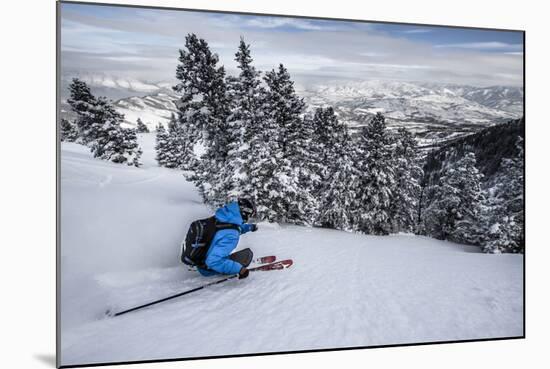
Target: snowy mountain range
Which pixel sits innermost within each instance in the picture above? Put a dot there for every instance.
(434, 112)
(509, 99)
(114, 87)
(153, 102)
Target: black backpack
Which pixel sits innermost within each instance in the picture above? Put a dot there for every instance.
(199, 236)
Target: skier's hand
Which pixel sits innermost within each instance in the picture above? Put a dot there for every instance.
(253, 227)
(243, 273)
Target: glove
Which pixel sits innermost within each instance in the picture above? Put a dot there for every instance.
(243, 273)
(253, 227)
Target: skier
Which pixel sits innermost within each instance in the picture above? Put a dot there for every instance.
(219, 258)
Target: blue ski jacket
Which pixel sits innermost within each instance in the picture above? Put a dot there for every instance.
(225, 241)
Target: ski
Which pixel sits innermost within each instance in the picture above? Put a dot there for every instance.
(278, 265)
(260, 260)
(264, 260)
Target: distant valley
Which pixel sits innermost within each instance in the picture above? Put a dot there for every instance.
(436, 113)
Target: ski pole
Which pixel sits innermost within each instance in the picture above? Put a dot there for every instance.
(280, 265)
(176, 295)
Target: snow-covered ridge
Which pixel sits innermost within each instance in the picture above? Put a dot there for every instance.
(151, 109)
(120, 83)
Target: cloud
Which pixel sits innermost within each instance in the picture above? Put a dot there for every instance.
(373, 54)
(143, 44)
(417, 30)
(270, 22)
(399, 66)
(492, 45)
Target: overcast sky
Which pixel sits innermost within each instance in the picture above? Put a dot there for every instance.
(143, 44)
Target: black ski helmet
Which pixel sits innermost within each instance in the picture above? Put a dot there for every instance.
(247, 207)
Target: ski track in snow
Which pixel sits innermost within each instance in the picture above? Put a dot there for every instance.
(121, 230)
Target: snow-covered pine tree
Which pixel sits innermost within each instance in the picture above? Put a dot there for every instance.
(264, 183)
(176, 150)
(68, 131)
(283, 109)
(303, 157)
(113, 142)
(173, 150)
(328, 133)
(83, 103)
(202, 114)
(338, 198)
(161, 145)
(376, 178)
(506, 219)
(308, 157)
(129, 151)
(408, 173)
(455, 212)
(328, 144)
(504, 233)
(244, 124)
(141, 127)
(286, 108)
(98, 125)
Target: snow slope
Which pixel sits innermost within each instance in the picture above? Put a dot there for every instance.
(120, 234)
